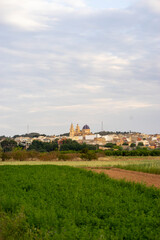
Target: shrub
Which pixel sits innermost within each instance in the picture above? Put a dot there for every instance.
(89, 156)
(63, 157)
(48, 156)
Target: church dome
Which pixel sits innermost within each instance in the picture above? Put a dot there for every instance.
(86, 127)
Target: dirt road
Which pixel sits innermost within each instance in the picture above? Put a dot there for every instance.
(116, 173)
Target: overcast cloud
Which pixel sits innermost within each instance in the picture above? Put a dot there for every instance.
(82, 61)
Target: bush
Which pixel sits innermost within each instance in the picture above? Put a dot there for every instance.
(140, 144)
(110, 145)
(89, 156)
(133, 145)
(63, 157)
(48, 156)
(5, 156)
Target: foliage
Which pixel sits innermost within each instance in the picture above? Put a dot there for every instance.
(125, 144)
(140, 144)
(104, 133)
(40, 146)
(31, 135)
(135, 152)
(63, 157)
(51, 202)
(64, 134)
(2, 137)
(148, 168)
(110, 145)
(65, 145)
(16, 227)
(133, 145)
(23, 155)
(69, 144)
(89, 155)
(8, 145)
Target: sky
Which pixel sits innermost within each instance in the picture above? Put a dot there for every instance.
(83, 61)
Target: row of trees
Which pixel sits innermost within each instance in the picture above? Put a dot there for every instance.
(43, 147)
(70, 145)
(114, 146)
(64, 145)
(135, 152)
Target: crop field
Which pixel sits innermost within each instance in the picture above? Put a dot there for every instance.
(153, 167)
(101, 162)
(146, 164)
(62, 202)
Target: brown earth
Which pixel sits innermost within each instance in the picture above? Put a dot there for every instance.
(140, 177)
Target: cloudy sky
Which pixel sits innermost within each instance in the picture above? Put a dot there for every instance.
(80, 61)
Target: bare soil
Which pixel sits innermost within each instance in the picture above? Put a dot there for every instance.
(140, 177)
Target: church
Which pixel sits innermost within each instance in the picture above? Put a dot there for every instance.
(85, 135)
(77, 132)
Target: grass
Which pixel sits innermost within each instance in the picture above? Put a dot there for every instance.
(102, 162)
(61, 202)
(148, 167)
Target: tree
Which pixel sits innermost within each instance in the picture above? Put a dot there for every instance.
(132, 145)
(110, 145)
(140, 144)
(43, 147)
(8, 145)
(125, 144)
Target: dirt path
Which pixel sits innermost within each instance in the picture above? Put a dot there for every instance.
(116, 173)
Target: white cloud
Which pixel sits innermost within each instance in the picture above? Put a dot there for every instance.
(98, 105)
(120, 104)
(30, 96)
(153, 5)
(35, 14)
(89, 88)
(5, 109)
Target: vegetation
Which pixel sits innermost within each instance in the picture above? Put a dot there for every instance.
(110, 145)
(133, 145)
(51, 202)
(148, 168)
(89, 155)
(67, 149)
(140, 144)
(8, 145)
(43, 146)
(111, 161)
(103, 133)
(63, 145)
(84, 154)
(31, 135)
(136, 152)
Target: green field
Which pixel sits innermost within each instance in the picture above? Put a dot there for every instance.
(144, 167)
(147, 164)
(61, 202)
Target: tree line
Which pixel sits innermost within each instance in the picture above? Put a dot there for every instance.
(69, 145)
(61, 145)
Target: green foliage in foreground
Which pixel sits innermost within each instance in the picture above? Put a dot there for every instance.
(148, 168)
(52, 202)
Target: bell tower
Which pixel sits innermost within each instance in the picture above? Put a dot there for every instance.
(71, 133)
(77, 130)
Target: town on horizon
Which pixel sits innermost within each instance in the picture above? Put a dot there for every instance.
(85, 135)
